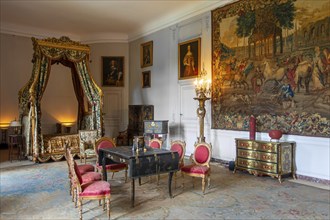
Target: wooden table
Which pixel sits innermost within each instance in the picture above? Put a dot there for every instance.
(150, 162)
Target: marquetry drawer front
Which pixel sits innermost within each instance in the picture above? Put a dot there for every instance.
(245, 144)
(258, 146)
(268, 147)
(258, 165)
(257, 155)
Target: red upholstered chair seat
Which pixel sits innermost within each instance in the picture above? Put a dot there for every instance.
(90, 177)
(97, 188)
(195, 169)
(87, 186)
(84, 168)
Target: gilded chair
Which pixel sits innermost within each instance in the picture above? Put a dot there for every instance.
(86, 171)
(104, 143)
(87, 139)
(200, 166)
(180, 147)
(155, 143)
(95, 190)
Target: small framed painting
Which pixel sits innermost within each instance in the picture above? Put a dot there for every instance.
(189, 58)
(113, 71)
(146, 80)
(146, 54)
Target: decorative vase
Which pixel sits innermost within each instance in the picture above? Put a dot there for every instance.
(252, 128)
(275, 134)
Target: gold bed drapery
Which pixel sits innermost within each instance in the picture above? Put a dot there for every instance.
(75, 56)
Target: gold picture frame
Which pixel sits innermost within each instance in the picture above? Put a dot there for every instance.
(146, 79)
(189, 62)
(146, 54)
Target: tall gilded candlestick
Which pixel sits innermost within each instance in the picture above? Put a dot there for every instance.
(203, 92)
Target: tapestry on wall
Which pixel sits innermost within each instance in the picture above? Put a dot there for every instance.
(270, 59)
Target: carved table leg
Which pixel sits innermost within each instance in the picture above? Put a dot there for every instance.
(104, 169)
(170, 175)
(132, 192)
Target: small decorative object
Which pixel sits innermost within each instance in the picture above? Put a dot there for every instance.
(252, 128)
(275, 135)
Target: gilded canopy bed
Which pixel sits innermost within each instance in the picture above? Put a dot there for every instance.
(75, 56)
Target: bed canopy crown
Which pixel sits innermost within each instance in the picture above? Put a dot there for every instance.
(75, 56)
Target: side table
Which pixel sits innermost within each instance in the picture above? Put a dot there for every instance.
(15, 140)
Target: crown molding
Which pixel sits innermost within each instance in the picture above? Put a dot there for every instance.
(28, 31)
(206, 7)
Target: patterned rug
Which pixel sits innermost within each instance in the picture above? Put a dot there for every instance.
(41, 191)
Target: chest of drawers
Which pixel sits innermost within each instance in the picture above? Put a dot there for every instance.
(274, 159)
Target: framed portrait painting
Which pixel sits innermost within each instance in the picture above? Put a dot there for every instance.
(146, 80)
(189, 58)
(113, 71)
(146, 54)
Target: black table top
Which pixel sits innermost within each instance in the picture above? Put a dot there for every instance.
(127, 152)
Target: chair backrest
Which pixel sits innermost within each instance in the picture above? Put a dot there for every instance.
(180, 147)
(104, 142)
(73, 168)
(67, 158)
(87, 136)
(202, 154)
(77, 173)
(155, 143)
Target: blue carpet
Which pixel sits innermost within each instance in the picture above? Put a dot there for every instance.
(41, 191)
(36, 178)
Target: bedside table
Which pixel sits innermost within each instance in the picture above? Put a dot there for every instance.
(15, 140)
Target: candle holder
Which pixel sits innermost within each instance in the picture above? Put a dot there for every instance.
(203, 93)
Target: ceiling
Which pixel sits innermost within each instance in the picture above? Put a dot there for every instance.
(97, 20)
